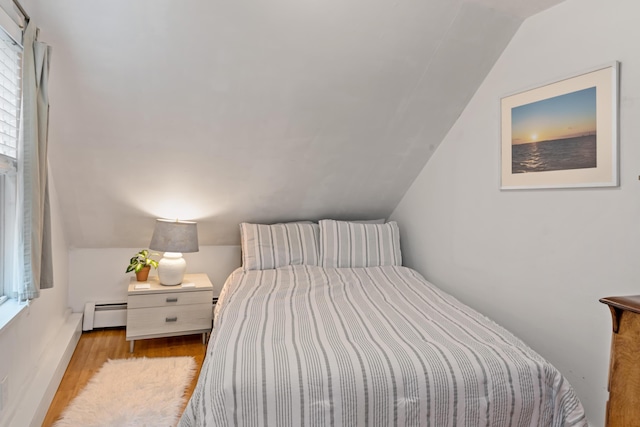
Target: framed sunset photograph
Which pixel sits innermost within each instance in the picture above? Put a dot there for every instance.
(562, 134)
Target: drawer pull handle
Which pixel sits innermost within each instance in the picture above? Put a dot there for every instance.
(171, 319)
(172, 299)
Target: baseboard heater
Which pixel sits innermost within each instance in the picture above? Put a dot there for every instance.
(104, 315)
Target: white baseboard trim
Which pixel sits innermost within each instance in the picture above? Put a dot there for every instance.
(44, 384)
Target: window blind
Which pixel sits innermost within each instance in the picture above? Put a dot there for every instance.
(10, 87)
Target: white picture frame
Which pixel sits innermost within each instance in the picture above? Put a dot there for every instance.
(562, 134)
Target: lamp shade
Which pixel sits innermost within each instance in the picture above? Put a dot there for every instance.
(174, 236)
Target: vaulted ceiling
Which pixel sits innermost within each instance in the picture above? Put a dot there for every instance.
(244, 110)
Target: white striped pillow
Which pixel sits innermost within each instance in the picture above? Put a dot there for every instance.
(265, 247)
(349, 244)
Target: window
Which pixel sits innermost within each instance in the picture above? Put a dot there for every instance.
(10, 145)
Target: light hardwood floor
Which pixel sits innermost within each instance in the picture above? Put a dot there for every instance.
(96, 347)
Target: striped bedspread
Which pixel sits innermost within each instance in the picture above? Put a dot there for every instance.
(377, 346)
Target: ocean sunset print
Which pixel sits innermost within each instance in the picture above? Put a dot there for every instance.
(556, 133)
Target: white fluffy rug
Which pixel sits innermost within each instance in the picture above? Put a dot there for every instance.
(132, 392)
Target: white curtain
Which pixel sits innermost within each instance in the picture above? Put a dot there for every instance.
(36, 228)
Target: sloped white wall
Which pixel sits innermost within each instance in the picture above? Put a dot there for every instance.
(229, 111)
(537, 261)
(24, 342)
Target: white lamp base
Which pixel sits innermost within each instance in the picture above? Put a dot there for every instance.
(171, 269)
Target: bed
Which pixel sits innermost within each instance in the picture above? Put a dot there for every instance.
(323, 326)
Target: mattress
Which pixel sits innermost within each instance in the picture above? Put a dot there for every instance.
(376, 346)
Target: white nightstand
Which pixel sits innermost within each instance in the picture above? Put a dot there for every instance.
(165, 311)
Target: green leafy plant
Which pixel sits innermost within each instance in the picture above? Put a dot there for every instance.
(140, 261)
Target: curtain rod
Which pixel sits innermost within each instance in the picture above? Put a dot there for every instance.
(22, 11)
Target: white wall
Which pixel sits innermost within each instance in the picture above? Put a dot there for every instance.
(98, 275)
(24, 342)
(537, 261)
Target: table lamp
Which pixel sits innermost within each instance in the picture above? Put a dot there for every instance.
(173, 238)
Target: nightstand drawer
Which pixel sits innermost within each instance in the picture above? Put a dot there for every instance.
(163, 320)
(169, 299)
